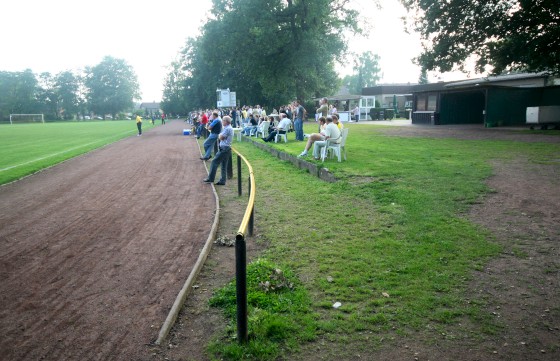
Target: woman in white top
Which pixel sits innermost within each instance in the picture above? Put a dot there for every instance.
(315, 136)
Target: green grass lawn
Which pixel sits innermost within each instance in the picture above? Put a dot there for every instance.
(389, 241)
(28, 148)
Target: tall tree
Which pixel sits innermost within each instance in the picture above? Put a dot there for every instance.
(112, 86)
(275, 50)
(47, 95)
(499, 35)
(68, 90)
(366, 72)
(174, 88)
(18, 93)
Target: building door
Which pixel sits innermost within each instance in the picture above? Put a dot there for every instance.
(366, 103)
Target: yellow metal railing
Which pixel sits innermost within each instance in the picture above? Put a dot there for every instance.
(241, 250)
(247, 221)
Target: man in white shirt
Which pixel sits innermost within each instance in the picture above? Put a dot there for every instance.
(331, 132)
(281, 128)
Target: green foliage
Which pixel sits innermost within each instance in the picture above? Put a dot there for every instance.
(502, 35)
(282, 50)
(366, 72)
(279, 313)
(18, 93)
(112, 86)
(174, 88)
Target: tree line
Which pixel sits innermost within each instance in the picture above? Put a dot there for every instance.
(108, 88)
(269, 52)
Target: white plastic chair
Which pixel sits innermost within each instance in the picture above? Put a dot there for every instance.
(335, 148)
(263, 129)
(278, 135)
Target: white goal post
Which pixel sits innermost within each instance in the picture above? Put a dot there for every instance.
(27, 118)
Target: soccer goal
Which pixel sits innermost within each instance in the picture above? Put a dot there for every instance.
(26, 118)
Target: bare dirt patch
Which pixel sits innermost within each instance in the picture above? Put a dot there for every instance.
(94, 251)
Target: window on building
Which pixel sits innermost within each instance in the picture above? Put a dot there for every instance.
(432, 103)
(421, 103)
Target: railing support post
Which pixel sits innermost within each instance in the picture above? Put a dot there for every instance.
(251, 222)
(239, 180)
(252, 217)
(241, 288)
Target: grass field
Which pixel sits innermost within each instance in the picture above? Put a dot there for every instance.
(389, 241)
(28, 148)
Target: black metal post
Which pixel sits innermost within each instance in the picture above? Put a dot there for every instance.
(251, 218)
(241, 288)
(252, 221)
(239, 180)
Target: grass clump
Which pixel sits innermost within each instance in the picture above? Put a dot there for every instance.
(279, 314)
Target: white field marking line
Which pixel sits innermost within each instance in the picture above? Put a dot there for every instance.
(64, 151)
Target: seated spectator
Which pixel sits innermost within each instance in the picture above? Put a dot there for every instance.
(331, 132)
(315, 136)
(337, 121)
(264, 123)
(203, 120)
(252, 125)
(282, 128)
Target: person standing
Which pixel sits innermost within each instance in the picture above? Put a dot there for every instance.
(139, 125)
(356, 113)
(224, 154)
(323, 109)
(215, 128)
(162, 118)
(298, 123)
(234, 123)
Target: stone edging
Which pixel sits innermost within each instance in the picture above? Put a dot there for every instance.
(314, 169)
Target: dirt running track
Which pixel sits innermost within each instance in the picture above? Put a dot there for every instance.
(94, 251)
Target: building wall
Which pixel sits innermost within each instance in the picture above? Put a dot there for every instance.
(462, 108)
(508, 106)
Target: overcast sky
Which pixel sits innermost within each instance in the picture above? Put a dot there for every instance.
(57, 35)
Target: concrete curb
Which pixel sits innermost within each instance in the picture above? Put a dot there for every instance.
(313, 168)
(182, 296)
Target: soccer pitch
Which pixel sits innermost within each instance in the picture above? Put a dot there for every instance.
(28, 148)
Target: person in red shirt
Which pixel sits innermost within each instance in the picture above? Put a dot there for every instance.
(203, 118)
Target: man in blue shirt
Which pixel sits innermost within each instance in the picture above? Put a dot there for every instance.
(298, 122)
(215, 127)
(224, 154)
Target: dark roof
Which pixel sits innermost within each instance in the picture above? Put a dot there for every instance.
(340, 97)
(491, 80)
(152, 105)
(389, 89)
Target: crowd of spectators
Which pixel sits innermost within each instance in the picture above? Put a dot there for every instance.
(254, 120)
